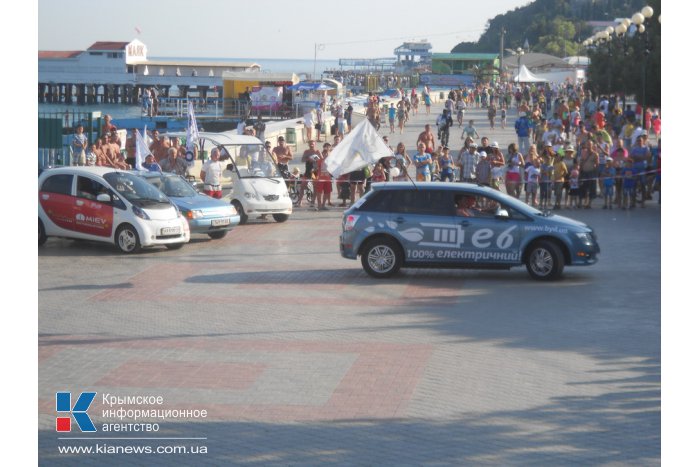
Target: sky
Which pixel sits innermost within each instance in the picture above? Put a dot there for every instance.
(265, 28)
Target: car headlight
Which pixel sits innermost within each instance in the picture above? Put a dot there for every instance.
(140, 213)
(249, 195)
(194, 214)
(586, 238)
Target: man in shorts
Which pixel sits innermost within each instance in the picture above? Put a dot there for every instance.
(428, 139)
(211, 173)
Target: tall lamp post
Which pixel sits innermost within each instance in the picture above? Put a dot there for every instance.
(638, 20)
(520, 52)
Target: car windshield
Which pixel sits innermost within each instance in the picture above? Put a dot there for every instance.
(517, 204)
(135, 189)
(250, 160)
(173, 186)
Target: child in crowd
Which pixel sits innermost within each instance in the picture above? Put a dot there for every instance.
(629, 183)
(573, 201)
(483, 170)
(608, 174)
(378, 174)
(533, 180)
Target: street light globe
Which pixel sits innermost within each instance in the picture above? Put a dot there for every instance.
(621, 29)
(641, 29)
(626, 22)
(638, 18)
(609, 30)
(647, 11)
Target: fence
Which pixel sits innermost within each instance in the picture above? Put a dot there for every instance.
(55, 131)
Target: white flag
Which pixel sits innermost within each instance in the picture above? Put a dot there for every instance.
(192, 134)
(141, 150)
(361, 147)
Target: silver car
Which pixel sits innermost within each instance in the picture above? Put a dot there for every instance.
(401, 224)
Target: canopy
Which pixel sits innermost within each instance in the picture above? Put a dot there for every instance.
(525, 76)
(361, 147)
(310, 86)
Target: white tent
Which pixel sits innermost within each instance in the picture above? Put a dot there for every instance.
(525, 76)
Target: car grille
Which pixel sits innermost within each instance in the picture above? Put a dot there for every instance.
(271, 197)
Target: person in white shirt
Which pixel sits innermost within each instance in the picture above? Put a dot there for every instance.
(211, 175)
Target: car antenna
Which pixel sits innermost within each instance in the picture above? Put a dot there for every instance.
(414, 183)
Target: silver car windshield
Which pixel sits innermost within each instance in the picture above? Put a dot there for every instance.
(173, 186)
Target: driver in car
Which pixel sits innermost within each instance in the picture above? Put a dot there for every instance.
(466, 206)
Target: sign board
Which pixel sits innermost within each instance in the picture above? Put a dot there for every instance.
(266, 98)
(432, 79)
(136, 52)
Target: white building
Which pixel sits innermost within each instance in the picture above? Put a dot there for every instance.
(120, 71)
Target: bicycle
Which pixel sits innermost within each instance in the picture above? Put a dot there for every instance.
(295, 191)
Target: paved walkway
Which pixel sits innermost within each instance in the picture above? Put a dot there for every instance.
(299, 358)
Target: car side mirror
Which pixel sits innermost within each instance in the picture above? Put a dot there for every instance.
(502, 213)
(104, 198)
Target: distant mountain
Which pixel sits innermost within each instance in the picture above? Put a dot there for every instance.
(549, 26)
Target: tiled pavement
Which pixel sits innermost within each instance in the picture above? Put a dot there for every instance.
(299, 358)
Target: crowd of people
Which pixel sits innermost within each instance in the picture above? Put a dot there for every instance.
(570, 149)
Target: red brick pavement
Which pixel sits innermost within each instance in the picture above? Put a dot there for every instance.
(379, 384)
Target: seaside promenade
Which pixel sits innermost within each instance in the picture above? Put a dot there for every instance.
(299, 358)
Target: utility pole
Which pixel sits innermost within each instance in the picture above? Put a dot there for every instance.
(500, 65)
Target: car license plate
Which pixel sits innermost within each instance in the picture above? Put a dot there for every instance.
(220, 222)
(170, 230)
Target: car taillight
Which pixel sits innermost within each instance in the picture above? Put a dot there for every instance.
(350, 221)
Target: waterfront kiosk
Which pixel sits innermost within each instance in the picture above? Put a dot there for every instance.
(263, 91)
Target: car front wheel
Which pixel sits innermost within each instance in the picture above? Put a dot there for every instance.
(241, 212)
(218, 234)
(42, 233)
(127, 239)
(382, 257)
(545, 261)
(280, 217)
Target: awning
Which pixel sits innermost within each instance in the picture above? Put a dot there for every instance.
(307, 86)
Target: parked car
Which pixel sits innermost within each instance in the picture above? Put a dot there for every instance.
(108, 205)
(204, 214)
(258, 187)
(401, 224)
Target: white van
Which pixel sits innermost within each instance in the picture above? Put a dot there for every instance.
(258, 187)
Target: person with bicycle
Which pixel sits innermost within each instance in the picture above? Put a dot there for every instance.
(309, 158)
(283, 154)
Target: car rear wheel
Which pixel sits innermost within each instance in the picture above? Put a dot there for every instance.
(241, 212)
(545, 261)
(382, 257)
(42, 233)
(127, 239)
(280, 217)
(218, 234)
